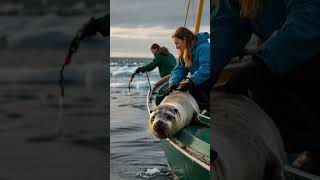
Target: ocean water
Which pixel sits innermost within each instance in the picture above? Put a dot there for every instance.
(135, 153)
(42, 135)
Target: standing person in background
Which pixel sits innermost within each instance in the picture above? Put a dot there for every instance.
(283, 76)
(163, 59)
(194, 58)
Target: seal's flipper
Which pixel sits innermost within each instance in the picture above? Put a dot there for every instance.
(196, 121)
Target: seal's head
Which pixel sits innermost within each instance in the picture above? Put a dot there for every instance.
(162, 121)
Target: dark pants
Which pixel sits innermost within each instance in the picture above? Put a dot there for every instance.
(202, 94)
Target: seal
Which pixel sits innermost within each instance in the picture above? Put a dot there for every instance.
(176, 111)
(246, 140)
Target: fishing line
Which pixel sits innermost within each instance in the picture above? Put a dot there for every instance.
(75, 43)
(148, 81)
(132, 76)
(61, 81)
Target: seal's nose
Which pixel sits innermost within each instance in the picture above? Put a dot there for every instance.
(161, 128)
(161, 125)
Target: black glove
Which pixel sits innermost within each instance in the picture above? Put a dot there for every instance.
(254, 75)
(185, 85)
(170, 89)
(138, 70)
(88, 29)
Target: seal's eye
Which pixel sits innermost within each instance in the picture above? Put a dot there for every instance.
(152, 118)
(169, 116)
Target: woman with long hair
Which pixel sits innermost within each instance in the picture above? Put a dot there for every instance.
(283, 74)
(163, 59)
(194, 58)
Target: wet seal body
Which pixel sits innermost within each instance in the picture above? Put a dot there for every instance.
(175, 112)
(246, 140)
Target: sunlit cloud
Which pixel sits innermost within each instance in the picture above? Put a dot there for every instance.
(155, 32)
(135, 41)
(130, 54)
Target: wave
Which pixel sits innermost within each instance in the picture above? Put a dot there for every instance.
(136, 84)
(122, 71)
(128, 71)
(87, 74)
(154, 173)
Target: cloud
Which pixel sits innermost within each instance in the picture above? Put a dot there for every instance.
(167, 13)
(137, 25)
(135, 42)
(156, 32)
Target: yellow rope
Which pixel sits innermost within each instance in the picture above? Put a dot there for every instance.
(185, 19)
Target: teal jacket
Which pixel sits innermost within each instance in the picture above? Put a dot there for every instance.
(164, 62)
(200, 68)
(291, 29)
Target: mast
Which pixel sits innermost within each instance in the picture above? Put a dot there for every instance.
(199, 14)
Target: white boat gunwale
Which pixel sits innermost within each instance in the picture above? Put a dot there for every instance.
(194, 156)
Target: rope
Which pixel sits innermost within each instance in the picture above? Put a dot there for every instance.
(132, 76)
(148, 80)
(186, 17)
(61, 81)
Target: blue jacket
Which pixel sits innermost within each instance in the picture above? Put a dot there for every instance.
(200, 68)
(291, 29)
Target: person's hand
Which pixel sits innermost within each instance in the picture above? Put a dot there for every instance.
(170, 89)
(88, 29)
(185, 85)
(138, 70)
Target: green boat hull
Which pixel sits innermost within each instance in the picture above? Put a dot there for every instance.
(188, 153)
(182, 166)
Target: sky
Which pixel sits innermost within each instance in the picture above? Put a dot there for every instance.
(135, 25)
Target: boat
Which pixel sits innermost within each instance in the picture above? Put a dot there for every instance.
(188, 152)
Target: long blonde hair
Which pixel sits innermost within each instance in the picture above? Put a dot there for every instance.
(249, 8)
(190, 38)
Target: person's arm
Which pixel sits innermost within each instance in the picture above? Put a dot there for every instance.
(94, 25)
(103, 25)
(297, 41)
(152, 65)
(178, 73)
(229, 33)
(203, 73)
